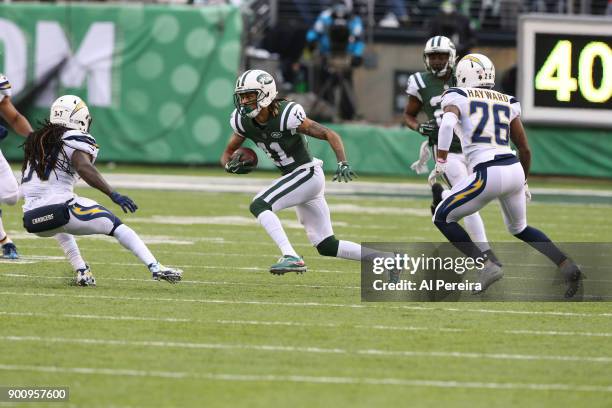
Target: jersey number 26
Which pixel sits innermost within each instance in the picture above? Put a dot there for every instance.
(500, 114)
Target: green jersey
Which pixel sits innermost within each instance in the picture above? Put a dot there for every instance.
(428, 88)
(279, 137)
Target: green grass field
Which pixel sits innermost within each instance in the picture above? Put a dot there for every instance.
(232, 335)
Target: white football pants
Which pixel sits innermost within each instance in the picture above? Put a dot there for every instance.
(303, 189)
(9, 188)
(503, 182)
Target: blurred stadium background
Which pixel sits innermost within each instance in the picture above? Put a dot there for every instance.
(158, 77)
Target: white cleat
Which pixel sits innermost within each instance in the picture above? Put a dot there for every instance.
(161, 272)
(488, 275)
(84, 277)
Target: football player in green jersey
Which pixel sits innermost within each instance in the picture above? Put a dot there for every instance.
(425, 91)
(279, 128)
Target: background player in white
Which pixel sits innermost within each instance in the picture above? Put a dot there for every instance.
(485, 121)
(55, 156)
(9, 188)
(279, 127)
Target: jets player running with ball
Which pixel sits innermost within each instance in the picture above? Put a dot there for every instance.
(486, 120)
(9, 188)
(425, 91)
(55, 156)
(278, 127)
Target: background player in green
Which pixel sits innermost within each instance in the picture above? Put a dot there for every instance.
(279, 127)
(425, 91)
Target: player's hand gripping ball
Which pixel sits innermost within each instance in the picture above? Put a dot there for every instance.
(243, 161)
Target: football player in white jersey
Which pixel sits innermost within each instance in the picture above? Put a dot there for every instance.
(9, 188)
(486, 121)
(55, 156)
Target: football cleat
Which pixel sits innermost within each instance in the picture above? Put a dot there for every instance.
(573, 276)
(9, 251)
(436, 192)
(161, 272)
(84, 277)
(488, 275)
(288, 263)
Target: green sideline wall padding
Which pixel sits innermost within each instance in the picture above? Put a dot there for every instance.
(172, 73)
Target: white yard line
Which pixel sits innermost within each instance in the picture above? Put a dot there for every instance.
(116, 372)
(300, 324)
(308, 304)
(307, 349)
(199, 282)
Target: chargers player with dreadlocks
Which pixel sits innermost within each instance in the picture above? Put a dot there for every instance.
(55, 156)
(9, 188)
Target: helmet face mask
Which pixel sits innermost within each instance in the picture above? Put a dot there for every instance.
(475, 71)
(71, 112)
(435, 46)
(261, 84)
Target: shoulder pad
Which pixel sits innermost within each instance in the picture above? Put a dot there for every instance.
(80, 141)
(5, 85)
(455, 90)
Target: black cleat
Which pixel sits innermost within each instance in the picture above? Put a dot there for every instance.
(573, 276)
(436, 192)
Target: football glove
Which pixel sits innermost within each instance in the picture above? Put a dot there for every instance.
(3, 133)
(438, 171)
(124, 202)
(238, 167)
(344, 173)
(420, 166)
(429, 128)
(527, 193)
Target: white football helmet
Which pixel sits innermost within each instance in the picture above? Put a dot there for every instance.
(254, 80)
(70, 111)
(475, 71)
(442, 45)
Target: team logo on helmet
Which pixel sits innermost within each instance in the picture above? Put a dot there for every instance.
(264, 79)
(473, 59)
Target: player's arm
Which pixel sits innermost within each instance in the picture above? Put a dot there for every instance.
(15, 119)
(233, 144)
(445, 134)
(411, 110)
(82, 163)
(519, 138)
(314, 129)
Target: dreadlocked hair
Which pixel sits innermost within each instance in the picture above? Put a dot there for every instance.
(274, 107)
(43, 151)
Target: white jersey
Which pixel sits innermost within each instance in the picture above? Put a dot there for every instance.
(5, 87)
(484, 121)
(58, 188)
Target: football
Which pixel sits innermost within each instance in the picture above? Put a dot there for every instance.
(247, 155)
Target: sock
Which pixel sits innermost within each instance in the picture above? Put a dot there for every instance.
(4, 238)
(475, 228)
(459, 238)
(351, 250)
(275, 230)
(130, 240)
(538, 240)
(71, 250)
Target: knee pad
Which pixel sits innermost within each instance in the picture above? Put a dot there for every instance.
(329, 246)
(258, 206)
